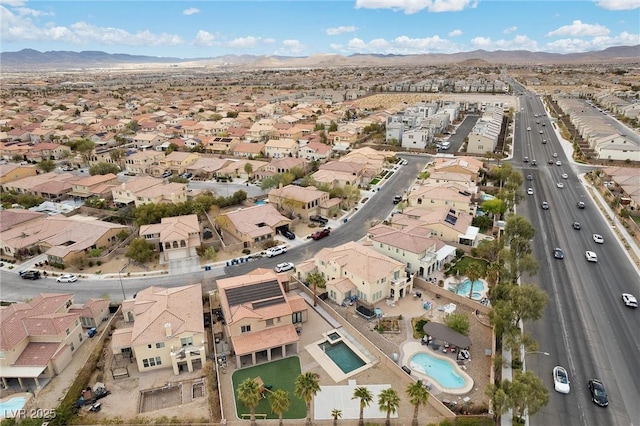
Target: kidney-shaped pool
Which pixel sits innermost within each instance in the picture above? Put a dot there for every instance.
(444, 374)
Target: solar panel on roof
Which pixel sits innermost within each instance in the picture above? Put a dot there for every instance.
(451, 219)
(253, 293)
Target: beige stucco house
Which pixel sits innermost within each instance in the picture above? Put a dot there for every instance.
(451, 194)
(444, 223)
(252, 225)
(11, 172)
(303, 201)
(164, 328)
(353, 269)
(174, 237)
(262, 321)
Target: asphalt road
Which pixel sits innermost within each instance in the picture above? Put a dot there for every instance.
(585, 327)
(377, 208)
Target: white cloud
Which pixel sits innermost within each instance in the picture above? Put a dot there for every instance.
(519, 42)
(117, 36)
(191, 11)
(618, 4)
(402, 45)
(204, 38)
(580, 29)
(14, 3)
(340, 30)
(510, 30)
(290, 47)
(250, 42)
(455, 33)
(575, 45)
(413, 6)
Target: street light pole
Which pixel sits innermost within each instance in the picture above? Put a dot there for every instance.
(124, 296)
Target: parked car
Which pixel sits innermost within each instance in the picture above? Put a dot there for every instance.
(67, 278)
(284, 266)
(288, 234)
(166, 174)
(397, 199)
(319, 219)
(30, 275)
(560, 380)
(275, 251)
(598, 393)
(629, 300)
(318, 235)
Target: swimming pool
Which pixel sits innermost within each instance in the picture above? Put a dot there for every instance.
(441, 370)
(10, 407)
(342, 356)
(465, 286)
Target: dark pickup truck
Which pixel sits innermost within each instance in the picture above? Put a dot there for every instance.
(319, 219)
(30, 275)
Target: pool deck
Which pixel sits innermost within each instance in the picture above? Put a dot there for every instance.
(336, 374)
(411, 348)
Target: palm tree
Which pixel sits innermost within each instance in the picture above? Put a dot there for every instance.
(336, 414)
(306, 387)
(473, 273)
(280, 402)
(418, 395)
(249, 395)
(316, 280)
(388, 401)
(366, 397)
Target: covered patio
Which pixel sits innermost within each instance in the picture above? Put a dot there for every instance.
(445, 334)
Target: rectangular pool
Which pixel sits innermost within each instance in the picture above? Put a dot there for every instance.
(342, 356)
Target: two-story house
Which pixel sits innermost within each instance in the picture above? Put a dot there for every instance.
(303, 201)
(12, 172)
(280, 148)
(444, 223)
(262, 321)
(252, 225)
(99, 186)
(174, 237)
(164, 328)
(48, 151)
(38, 339)
(176, 162)
(355, 270)
(315, 151)
(141, 162)
(451, 194)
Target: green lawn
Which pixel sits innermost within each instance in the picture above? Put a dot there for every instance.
(463, 263)
(375, 181)
(280, 374)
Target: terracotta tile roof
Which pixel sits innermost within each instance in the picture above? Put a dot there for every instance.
(49, 324)
(154, 307)
(13, 217)
(173, 228)
(401, 239)
(298, 193)
(360, 261)
(37, 354)
(13, 328)
(269, 338)
(247, 220)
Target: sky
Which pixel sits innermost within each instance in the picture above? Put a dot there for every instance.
(205, 29)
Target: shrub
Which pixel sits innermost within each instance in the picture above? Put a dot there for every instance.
(90, 263)
(246, 251)
(99, 262)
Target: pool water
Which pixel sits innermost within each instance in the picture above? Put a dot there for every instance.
(10, 407)
(440, 370)
(465, 286)
(342, 356)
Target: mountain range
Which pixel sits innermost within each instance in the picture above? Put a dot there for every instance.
(32, 60)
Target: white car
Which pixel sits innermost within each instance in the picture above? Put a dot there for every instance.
(629, 300)
(67, 278)
(591, 256)
(274, 251)
(530, 191)
(561, 380)
(558, 163)
(284, 266)
(597, 238)
(560, 185)
(555, 155)
(528, 128)
(565, 176)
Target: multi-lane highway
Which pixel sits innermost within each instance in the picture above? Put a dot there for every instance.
(585, 328)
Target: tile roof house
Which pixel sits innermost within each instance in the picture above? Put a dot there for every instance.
(341, 173)
(13, 217)
(176, 162)
(140, 162)
(38, 339)
(355, 270)
(48, 151)
(61, 238)
(174, 237)
(164, 328)
(420, 253)
(447, 194)
(252, 225)
(315, 151)
(51, 186)
(146, 189)
(280, 148)
(444, 223)
(100, 186)
(248, 150)
(207, 167)
(282, 165)
(11, 172)
(221, 144)
(262, 321)
(302, 201)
